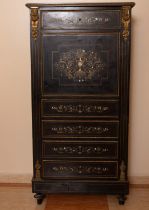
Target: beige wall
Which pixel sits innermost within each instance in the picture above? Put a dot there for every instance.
(15, 95)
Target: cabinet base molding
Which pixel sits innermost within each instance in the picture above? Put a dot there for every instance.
(25, 179)
(79, 186)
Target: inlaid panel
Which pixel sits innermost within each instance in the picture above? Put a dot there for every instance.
(80, 169)
(72, 128)
(103, 108)
(81, 19)
(68, 149)
(80, 64)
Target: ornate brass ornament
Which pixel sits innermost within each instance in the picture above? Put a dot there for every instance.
(34, 22)
(79, 130)
(80, 65)
(79, 109)
(125, 21)
(122, 171)
(37, 168)
(85, 170)
(86, 20)
(79, 150)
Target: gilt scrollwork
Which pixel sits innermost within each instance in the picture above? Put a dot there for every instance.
(85, 170)
(125, 21)
(80, 108)
(80, 65)
(79, 150)
(80, 129)
(34, 22)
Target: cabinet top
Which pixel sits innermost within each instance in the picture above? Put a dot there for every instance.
(112, 4)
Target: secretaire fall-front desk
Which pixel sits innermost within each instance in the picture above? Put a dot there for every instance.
(80, 61)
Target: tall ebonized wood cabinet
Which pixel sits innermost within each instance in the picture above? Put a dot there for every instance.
(80, 62)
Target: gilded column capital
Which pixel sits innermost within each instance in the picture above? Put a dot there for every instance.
(125, 21)
(34, 22)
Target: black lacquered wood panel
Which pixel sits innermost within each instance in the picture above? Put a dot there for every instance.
(97, 19)
(80, 169)
(98, 108)
(72, 128)
(105, 150)
(80, 64)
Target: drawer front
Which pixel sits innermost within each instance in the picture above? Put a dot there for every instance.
(80, 108)
(106, 150)
(70, 128)
(69, 20)
(80, 169)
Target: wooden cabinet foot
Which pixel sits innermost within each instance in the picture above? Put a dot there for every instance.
(39, 197)
(121, 199)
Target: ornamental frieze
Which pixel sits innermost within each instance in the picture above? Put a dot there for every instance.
(80, 129)
(86, 170)
(60, 108)
(80, 150)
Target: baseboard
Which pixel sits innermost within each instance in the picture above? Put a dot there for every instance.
(16, 185)
(15, 178)
(25, 179)
(142, 181)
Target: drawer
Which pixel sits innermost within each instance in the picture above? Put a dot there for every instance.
(105, 19)
(80, 128)
(80, 169)
(96, 108)
(106, 150)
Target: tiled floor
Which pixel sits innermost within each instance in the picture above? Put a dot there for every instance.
(21, 198)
